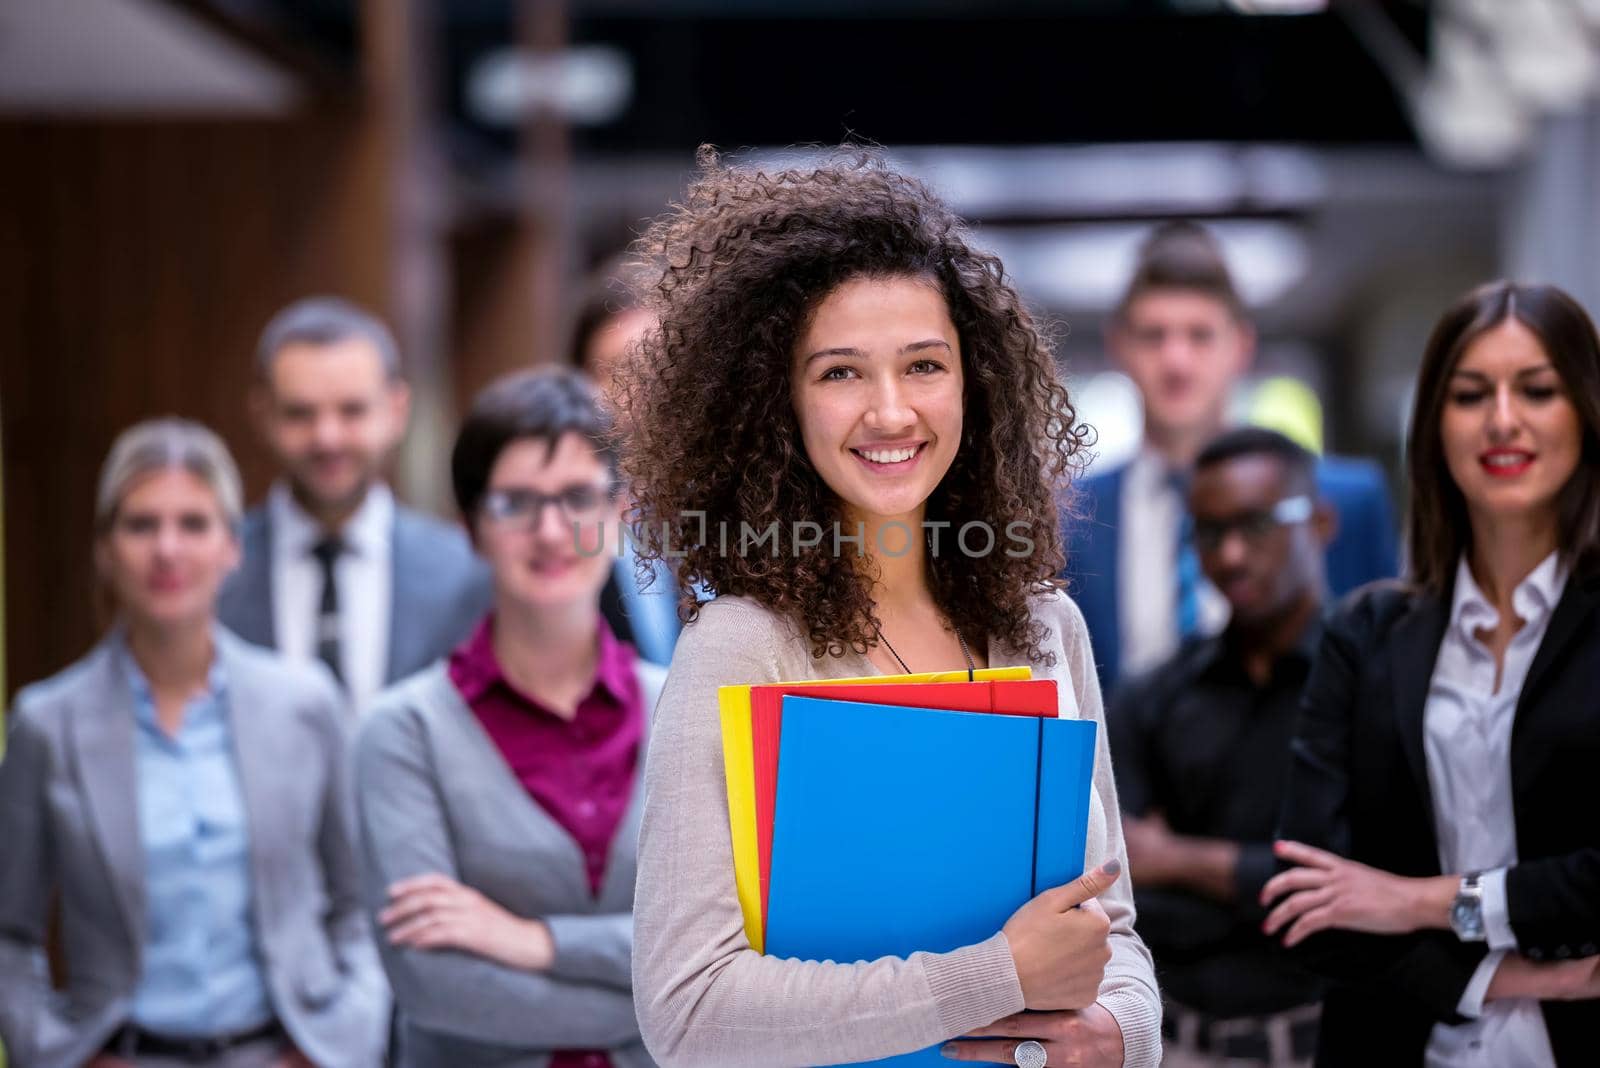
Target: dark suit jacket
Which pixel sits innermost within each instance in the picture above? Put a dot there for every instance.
(441, 589)
(1363, 550)
(1358, 785)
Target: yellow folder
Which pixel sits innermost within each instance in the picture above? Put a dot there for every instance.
(738, 763)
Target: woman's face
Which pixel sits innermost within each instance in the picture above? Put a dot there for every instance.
(168, 550)
(526, 529)
(1511, 435)
(878, 391)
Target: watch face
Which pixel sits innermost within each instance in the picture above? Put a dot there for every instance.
(1466, 918)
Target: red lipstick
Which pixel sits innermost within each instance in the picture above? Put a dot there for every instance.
(1505, 463)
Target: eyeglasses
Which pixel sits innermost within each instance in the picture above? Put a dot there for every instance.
(1209, 534)
(577, 504)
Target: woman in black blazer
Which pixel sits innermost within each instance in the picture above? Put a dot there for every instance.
(1441, 819)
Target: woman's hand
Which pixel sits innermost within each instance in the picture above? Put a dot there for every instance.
(1091, 1038)
(436, 912)
(1329, 891)
(1060, 949)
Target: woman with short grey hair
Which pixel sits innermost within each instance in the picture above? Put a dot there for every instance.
(184, 796)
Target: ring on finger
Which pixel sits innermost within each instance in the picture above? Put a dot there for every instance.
(1029, 1054)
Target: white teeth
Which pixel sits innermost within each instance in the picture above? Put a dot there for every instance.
(888, 456)
(1507, 459)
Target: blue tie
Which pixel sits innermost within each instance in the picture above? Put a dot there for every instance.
(1188, 562)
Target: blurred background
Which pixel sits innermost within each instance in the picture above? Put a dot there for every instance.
(173, 171)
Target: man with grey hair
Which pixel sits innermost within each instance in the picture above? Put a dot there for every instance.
(334, 568)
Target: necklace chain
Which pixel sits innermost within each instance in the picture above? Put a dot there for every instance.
(965, 652)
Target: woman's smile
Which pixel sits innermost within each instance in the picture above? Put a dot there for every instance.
(890, 459)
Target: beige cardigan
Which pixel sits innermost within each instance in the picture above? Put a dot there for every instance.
(705, 998)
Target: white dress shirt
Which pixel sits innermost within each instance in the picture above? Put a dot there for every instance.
(1147, 568)
(1467, 738)
(364, 576)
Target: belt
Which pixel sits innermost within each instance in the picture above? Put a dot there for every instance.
(130, 1040)
(1270, 1039)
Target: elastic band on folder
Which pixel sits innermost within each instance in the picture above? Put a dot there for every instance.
(1038, 784)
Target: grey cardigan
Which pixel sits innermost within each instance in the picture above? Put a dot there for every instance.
(706, 999)
(69, 825)
(435, 795)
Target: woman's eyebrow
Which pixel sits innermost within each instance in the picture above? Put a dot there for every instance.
(822, 353)
(915, 346)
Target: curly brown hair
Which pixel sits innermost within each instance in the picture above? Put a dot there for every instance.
(708, 422)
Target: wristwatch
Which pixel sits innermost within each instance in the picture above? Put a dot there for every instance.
(1466, 912)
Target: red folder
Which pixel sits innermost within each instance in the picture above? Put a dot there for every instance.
(1034, 697)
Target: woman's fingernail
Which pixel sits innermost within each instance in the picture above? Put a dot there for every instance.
(1112, 867)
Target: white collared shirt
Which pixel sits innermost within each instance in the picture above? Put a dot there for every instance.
(1467, 738)
(363, 574)
(1147, 568)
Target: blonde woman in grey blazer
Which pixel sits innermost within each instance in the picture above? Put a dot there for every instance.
(498, 790)
(184, 796)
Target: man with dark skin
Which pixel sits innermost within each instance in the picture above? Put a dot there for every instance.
(1183, 334)
(1201, 747)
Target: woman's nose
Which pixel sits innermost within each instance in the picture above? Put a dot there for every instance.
(889, 410)
(167, 540)
(1503, 416)
(551, 525)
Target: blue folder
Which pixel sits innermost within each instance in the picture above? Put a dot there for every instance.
(904, 829)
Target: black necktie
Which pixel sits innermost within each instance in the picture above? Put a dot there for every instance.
(327, 553)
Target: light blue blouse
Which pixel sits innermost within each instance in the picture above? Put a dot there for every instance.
(201, 971)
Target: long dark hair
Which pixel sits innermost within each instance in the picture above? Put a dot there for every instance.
(708, 419)
(1439, 530)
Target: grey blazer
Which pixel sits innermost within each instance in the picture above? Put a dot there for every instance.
(435, 795)
(441, 589)
(69, 826)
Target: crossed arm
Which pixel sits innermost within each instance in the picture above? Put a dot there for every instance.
(461, 964)
(1394, 928)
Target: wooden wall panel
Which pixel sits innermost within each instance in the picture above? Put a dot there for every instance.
(138, 262)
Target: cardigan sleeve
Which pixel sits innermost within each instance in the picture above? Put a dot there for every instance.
(1129, 988)
(405, 832)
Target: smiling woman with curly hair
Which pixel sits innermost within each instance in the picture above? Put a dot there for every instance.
(848, 428)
